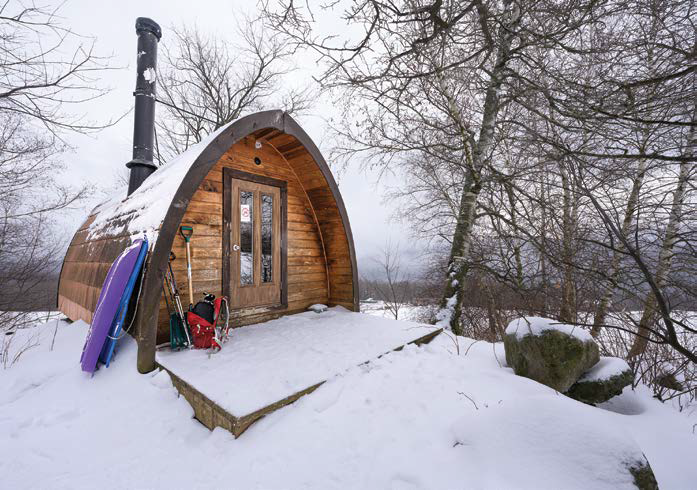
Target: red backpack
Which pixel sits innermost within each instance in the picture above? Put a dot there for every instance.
(203, 323)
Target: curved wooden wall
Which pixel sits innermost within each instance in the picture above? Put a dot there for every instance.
(84, 269)
(335, 237)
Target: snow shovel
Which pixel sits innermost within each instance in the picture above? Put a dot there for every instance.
(179, 332)
(186, 232)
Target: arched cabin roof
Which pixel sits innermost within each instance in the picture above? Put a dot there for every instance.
(156, 209)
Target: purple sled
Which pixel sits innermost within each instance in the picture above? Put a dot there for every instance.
(108, 305)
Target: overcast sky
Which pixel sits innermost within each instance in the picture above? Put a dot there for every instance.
(99, 158)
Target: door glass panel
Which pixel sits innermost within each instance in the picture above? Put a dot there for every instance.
(266, 238)
(246, 237)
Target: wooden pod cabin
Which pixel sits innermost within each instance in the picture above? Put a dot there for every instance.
(270, 231)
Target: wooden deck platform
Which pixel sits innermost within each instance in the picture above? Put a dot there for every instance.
(267, 366)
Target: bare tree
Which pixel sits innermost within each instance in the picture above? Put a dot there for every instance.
(549, 147)
(392, 284)
(40, 81)
(637, 108)
(45, 69)
(206, 82)
(427, 81)
(603, 306)
(658, 280)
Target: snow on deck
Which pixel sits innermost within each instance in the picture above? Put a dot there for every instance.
(267, 362)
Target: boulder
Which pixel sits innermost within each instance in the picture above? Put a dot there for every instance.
(644, 479)
(670, 382)
(551, 353)
(603, 381)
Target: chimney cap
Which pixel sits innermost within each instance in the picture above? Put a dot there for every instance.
(148, 25)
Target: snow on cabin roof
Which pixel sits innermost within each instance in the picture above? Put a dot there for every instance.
(145, 209)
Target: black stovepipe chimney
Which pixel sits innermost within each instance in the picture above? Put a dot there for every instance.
(149, 34)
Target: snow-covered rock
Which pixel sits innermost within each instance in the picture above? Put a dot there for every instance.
(529, 434)
(536, 325)
(551, 353)
(318, 308)
(670, 382)
(644, 478)
(603, 381)
(606, 368)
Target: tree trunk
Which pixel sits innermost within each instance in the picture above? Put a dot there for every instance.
(451, 304)
(666, 254)
(567, 308)
(516, 246)
(458, 266)
(543, 248)
(664, 258)
(491, 313)
(606, 300)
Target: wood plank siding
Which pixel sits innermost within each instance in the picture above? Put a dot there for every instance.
(307, 266)
(319, 252)
(85, 266)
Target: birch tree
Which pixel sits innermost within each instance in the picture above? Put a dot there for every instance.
(686, 177)
(636, 109)
(427, 80)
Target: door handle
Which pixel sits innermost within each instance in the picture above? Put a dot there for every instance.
(236, 248)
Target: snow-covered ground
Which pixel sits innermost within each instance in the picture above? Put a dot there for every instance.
(408, 312)
(425, 417)
(13, 347)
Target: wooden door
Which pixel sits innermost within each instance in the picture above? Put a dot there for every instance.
(256, 277)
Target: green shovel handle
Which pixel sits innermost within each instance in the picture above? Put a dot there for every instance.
(186, 232)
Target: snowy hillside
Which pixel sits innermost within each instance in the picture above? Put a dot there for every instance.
(426, 417)
(407, 312)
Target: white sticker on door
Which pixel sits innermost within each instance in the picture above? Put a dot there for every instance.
(245, 213)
